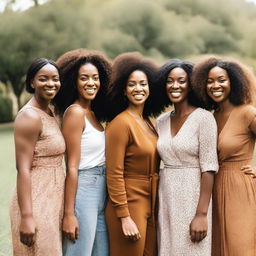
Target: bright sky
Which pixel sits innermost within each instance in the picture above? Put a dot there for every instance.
(20, 5)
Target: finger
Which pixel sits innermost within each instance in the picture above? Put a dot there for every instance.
(246, 167)
(77, 233)
(33, 239)
(192, 236)
(29, 240)
(197, 237)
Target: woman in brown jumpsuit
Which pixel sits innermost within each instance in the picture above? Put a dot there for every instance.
(132, 161)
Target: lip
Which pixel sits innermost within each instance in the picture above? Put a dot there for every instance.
(175, 94)
(138, 96)
(217, 93)
(90, 90)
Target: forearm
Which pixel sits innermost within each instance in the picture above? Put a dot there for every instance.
(24, 193)
(70, 191)
(207, 180)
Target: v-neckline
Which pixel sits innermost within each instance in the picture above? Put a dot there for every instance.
(226, 123)
(170, 125)
(142, 129)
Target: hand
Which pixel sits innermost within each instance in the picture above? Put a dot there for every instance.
(28, 230)
(70, 227)
(130, 229)
(198, 228)
(249, 170)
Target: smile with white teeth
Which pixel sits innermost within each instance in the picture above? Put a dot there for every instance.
(138, 96)
(175, 94)
(50, 90)
(217, 93)
(90, 90)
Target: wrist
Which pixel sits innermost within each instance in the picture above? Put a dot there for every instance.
(201, 214)
(26, 215)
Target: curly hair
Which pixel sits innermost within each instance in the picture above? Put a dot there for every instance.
(239, 81)
(35, 66)
(69, 65)
(123, 65)
(187, 66)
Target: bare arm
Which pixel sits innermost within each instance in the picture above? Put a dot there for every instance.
(27, 128)
(199, 226)
(72, 129)
(208, 165)
(248, 169)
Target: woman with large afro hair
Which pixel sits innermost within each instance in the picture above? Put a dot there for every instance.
(187, 146)
(85, 76)
(227, 87)
(131, 157)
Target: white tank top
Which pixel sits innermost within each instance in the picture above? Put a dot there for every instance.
(92, 147)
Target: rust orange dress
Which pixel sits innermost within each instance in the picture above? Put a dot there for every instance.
(234, 195)
(132, 164)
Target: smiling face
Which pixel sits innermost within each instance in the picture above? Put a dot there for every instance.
(88, 81)
(46, 82)
(177, 85)
(218, 84)
(137, 88)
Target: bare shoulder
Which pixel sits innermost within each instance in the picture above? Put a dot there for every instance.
(75, 111)
(28, 120)
(73, 118)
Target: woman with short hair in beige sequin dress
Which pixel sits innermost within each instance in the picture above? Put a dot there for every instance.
(37, 204)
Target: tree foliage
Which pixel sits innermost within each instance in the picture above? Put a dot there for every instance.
(157, 28)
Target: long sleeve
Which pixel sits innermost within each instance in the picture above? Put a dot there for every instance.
(208, 143)
(117, 139)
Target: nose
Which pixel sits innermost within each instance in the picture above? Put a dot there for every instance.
(216, 84)
(90, 82)
(51, 83)
(138, 87)
(175, 85)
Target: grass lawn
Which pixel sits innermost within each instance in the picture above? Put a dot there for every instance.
(7, 183)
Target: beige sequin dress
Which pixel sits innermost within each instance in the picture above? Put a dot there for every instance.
(185, 156)
(47, 188)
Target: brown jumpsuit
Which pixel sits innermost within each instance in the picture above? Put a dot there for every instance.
(132, 174)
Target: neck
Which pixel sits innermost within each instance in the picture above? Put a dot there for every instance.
(182, 108)
(136, 109)
(40, 103)
(225, 106)
(86, 104)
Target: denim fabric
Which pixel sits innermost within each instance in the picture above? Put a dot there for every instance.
(89, 209)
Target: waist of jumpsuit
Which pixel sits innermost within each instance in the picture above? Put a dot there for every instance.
(153, 179)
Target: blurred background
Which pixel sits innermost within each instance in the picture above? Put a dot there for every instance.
(161, 29)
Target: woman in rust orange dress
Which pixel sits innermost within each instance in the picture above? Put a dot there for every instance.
(131, 158)
(226, 88)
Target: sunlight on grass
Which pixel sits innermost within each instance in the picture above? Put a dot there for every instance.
(7, 182)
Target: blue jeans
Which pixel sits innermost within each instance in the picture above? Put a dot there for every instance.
(89, 209)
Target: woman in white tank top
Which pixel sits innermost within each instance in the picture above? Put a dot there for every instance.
(85, 77)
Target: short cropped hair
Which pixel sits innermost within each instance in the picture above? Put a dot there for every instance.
(35, 66)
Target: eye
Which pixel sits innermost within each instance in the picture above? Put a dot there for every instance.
(209, 81)
(144, 84)
(96, 78)
(42, 79)
(222, 81)
(182, 81)
(83, 78)
(169, 81)
(130, 84)
(56, 79)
